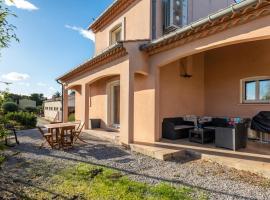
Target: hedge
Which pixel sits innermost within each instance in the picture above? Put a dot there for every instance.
(29, 120)
(71, 117)
(31, 109)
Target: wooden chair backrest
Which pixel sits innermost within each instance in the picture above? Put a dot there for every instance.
(81, 127)
(55, 122)
(67, 129)
(41, 131)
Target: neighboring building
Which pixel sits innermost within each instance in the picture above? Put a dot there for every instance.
(153, 61)
(24, 103)
(53, 108)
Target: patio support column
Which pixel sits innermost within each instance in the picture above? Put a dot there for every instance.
(65, 105)
(85, 104)
(127, 106)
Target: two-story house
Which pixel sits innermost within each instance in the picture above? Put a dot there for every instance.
(156, 59)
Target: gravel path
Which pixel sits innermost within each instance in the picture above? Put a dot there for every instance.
(27, 164)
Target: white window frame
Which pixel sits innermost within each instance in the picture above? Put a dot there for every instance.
(114, 29)
(168, 24)
(257, 100)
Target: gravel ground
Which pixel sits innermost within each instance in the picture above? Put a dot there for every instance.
(28, 166)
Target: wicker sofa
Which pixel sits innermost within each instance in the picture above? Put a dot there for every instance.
(228, 136)
(176, 128)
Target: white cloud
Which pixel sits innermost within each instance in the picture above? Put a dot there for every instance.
(85, 33)
(41, 84)
(21, 4)
(52, 89)
(15, 76)
(24, 84)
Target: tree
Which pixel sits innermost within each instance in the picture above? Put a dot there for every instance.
(7, 30)
(9, 107)
(56, 95)
(38, 98)
(72, 93)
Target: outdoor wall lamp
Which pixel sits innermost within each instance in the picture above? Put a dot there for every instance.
(185, 67)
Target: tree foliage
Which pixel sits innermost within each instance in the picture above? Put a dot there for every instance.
(38, 98)
(9, 107)
(56, 95)
(7, 30)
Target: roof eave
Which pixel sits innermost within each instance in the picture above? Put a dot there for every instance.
(234, 8)
(118, 46)
(90, 27)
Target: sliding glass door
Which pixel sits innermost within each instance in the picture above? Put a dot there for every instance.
(114, 104)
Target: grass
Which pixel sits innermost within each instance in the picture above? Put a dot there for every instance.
(85, 181)
(2, 159)
(2, 148)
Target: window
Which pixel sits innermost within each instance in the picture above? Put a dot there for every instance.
(256, 90)
(116, 35)
(175, 14)
(154, 19)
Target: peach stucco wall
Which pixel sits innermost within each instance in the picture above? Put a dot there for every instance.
(224, 68)
(215, 86)
(144, 107)
(99, 100)
(182, 96)
(135, 27)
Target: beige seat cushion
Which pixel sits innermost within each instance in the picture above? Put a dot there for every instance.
(182, 127)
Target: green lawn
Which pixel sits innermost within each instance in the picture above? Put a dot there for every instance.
(89, 182)
(2, 159)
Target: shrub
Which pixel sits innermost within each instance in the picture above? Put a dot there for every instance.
(71, 117)
(31, 109)
(3, 132)
(29, 120)
(3, 120)
(9, 107)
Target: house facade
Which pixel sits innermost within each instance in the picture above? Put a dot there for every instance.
(52, 108)
(24, 103)
(157, 59)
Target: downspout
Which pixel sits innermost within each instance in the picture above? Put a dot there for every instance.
(62, 99)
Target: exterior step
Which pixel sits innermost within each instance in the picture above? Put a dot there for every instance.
(158, 152)
(112, 137)
(257, 167)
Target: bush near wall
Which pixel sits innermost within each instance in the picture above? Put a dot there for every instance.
(9, 107)
(71, 117)
(31, 109)
(28, 120)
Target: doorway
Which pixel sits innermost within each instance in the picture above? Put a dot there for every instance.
(114, 104)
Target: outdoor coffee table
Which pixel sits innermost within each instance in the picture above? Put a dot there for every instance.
(202, 135)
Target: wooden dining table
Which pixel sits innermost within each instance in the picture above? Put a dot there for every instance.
(55, 128)
(61, 125)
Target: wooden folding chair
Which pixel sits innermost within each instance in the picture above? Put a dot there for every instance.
(51, 130)
(12, 129)
(48, 137)
(67, 135)
(78, 132)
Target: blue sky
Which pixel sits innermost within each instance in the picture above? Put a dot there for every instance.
(52, 41)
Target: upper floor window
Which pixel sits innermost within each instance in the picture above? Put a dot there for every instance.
(116, 35)
(256, 90)
(175, 14)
